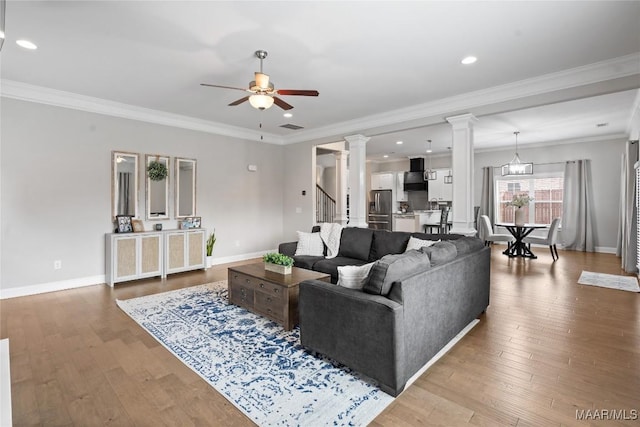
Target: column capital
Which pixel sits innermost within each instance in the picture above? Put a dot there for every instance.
(340, 154)
(356, 139)
(462, 121)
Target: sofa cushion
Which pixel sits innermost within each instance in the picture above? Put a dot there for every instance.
(467, 244)
(356, 243)
(330, 266)
(416, 244)
(306, 261)
(392, 268)
(309, 244)
(353, 276)
(440, 236)
(440, 253)
(388, 242)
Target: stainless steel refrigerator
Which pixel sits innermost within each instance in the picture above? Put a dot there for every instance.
(380, 216)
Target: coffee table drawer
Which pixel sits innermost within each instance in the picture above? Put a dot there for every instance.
(269, 305)
(241, 295)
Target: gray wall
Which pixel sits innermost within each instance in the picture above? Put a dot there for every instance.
(56, 188)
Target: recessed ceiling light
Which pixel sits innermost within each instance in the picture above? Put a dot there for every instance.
(469, 60)
(26, 44)
(399, 142)
(287, 115)
(2, 35)
(386, 156)
(429, 150)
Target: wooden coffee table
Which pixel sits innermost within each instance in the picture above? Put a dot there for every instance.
(269, 294)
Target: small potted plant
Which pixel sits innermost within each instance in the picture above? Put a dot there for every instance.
(210, 242)
(278, 263)
(519, 201)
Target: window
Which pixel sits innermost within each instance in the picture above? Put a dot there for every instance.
(546, 190)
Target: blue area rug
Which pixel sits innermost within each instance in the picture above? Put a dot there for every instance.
(257, 365)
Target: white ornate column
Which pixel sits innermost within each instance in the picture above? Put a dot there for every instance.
(341, 187)
(357, 180)
(462, 170)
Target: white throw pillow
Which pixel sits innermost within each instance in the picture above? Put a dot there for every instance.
(353, 276)
(418, 243)
(309, 244)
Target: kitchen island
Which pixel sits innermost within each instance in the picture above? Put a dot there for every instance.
(415, 221)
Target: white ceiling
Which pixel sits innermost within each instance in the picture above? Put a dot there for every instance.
(377, 65)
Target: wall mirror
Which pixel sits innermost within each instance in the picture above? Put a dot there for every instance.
(124, 184)
(157, 186)
(185, 178)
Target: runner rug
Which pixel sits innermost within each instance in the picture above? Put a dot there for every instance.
(257, 365)
(611, 281)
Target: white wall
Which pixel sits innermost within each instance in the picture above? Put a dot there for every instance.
(56, 189)
(299, 168)
(605, 159)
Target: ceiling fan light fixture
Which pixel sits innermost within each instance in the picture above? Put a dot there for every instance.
(261, 102)
(262, 81)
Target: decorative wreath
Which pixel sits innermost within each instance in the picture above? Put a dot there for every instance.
(157, 171)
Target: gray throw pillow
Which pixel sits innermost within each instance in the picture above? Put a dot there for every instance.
(440, 253)
(392, 268)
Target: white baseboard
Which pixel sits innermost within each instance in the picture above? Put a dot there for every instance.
(5, 384)
(605, 250)
(241, 257)
(42, 288)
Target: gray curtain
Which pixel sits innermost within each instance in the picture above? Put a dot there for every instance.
(627, 228)
(577, 207)
(487, 199)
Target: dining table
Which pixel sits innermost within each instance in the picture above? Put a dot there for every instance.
(519, 232)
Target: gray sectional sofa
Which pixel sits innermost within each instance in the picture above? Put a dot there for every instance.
(413, 304)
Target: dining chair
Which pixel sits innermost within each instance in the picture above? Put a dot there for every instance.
(490, 236)
(549, 240)
(444, 220)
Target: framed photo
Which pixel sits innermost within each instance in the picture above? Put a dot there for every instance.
(137, 225)
(190, 222)
(124, 223)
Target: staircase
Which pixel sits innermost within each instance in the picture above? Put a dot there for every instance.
(325, 206)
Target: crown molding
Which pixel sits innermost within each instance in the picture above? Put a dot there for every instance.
(620, 67)
(31, 93)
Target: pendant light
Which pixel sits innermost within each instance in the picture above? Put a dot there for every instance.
(516, 166)
(430, 174)
(448, 179)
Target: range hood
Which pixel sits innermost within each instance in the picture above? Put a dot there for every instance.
(414, 179)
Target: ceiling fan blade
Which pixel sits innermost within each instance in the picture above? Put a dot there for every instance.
(297, 92)
(223, 87)
(280, 103)
(239, 101)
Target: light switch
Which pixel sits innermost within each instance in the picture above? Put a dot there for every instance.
(252, 168)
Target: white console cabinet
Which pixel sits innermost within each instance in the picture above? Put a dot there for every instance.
(131, 256)
(184, 250)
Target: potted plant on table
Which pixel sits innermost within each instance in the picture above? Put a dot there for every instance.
(519, 201)
(278, 263)
(210, 242)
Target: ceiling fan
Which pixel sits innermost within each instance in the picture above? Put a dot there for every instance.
(263, 92)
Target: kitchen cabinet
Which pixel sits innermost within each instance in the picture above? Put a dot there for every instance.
(405, 223)
(382, 181)
(133, 256)
(401, 195)
(438, 190)
(185, 250)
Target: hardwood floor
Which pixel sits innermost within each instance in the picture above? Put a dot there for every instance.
(545, 348)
